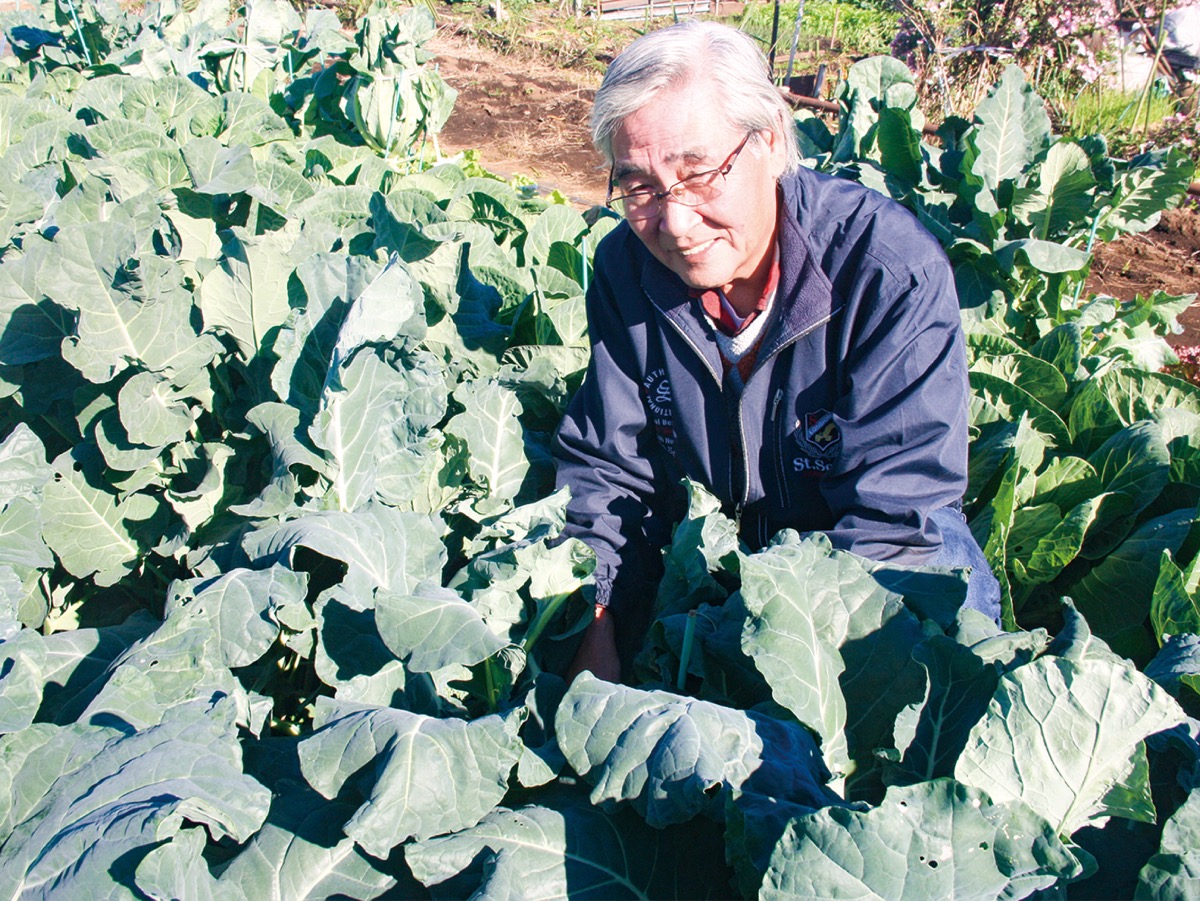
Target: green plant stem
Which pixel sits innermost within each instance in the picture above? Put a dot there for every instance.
(71, 439)
(149, 565)
(490, 688)
(246, 50)
(87, 52)
(1091, 241)
(685, 654)
(584, 249)
(543, 619)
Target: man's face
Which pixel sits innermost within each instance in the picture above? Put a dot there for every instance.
(724, 243)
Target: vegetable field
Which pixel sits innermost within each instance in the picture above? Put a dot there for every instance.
(281, 600)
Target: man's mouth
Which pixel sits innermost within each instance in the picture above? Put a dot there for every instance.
(696, 248)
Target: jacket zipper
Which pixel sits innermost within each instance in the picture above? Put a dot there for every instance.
(741, 435)
(781, 467)
(759, 366)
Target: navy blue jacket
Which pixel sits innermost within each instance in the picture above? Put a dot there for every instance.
(853, 421)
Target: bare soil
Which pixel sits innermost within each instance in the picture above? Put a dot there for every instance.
(527, 116)
(1165, 258)
(523, 115)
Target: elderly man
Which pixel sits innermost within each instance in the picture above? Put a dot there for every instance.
(789, 340)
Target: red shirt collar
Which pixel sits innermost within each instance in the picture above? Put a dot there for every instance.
(710, 300)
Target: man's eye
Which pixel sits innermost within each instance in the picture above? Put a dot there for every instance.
(637, 189)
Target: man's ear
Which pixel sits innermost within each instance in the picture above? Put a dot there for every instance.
(776, 147)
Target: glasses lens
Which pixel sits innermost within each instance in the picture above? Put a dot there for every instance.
(635, 206)
(696, 190)
(699, 189)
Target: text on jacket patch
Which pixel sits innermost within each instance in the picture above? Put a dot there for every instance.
(656, 388)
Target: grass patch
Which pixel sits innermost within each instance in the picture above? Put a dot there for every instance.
(1111, 112)
(858, 30)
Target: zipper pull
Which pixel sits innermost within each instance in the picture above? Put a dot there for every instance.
(775, 403)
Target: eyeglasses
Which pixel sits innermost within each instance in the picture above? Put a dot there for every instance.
(695, 190)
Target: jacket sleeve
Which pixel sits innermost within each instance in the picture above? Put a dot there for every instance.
(903, 412)
(605, 450)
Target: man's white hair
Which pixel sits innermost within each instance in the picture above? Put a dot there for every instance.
(706, 55)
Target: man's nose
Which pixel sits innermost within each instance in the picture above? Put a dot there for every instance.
(674, 218)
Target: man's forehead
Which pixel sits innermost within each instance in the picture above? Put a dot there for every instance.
(624, 165)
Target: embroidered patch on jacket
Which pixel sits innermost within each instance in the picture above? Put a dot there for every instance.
(820, 442)
(656, 388)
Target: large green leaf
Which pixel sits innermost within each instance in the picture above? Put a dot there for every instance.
(87, 833)
(355, 408)
(564, 847)
(153, 412)
(77, 665)
(1123, 396)
(1115, 595)
(1043, 541)
(1149, 186)
(247, 295)
(559, 223)
(88, 528)
(704, 543)
(1011, 128)
(492, 431)
(434, 627)
(793, 594)
(351, 301)
(1133, 467)
(900, 147)
(935, 839)
(169, 103)
(179, 662)
(243, 119)
(1061, 734)
(32, 327)
(1049, 257)
(1041, 379)
(350, 656)
(239, 606)
(960, 685)
(22, 661)
(1177, 663)
(382, 547)
(430, 776)
(1175, 606)
(1174, 872)
(1063, 198)
(994, 398)
(23, 467)
(674, 757)
(126, 314)
(422, 474)
(300, 852)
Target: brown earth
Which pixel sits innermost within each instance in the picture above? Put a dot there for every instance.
(526, 116)
(523, 115)
(1166, 258)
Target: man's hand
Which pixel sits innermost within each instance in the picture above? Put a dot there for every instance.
(598, 651)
